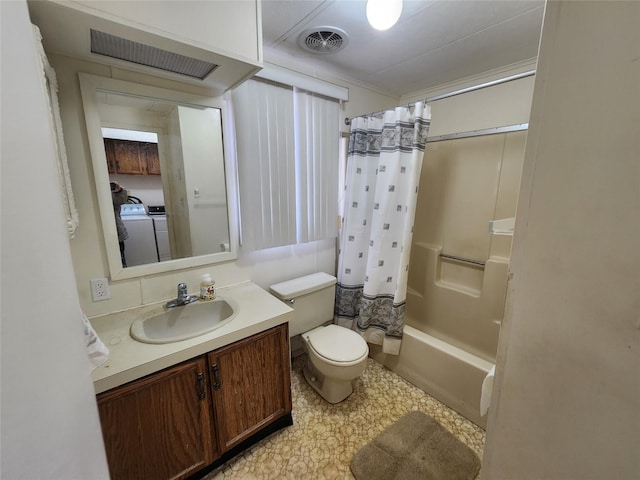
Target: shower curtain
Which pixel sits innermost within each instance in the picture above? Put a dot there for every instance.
(383, 172)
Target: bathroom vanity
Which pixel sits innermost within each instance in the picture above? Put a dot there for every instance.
(206, 398)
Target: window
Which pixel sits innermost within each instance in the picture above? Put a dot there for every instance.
(288, 163)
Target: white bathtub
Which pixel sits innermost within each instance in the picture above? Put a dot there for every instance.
(446, 372)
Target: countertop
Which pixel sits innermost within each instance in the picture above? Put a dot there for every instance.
(130, 359)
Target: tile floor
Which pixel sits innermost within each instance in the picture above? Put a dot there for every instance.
(324, 437)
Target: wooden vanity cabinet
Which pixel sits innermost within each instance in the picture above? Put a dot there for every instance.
(171, 424)
(251, 385)
(161, 426)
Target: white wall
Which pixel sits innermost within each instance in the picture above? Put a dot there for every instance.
(147, 188)
(220, 26)
(497, 106)
(567, 387)
(49, 420)
(89, 255)
(176, 188)
(204, 172)
(363, 99)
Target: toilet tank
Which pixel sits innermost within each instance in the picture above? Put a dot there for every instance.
(312, 298)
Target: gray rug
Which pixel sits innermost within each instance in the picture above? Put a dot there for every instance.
(415, 447)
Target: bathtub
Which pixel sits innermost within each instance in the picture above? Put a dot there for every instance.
(458, 270)
(452, 322)
(444, 371)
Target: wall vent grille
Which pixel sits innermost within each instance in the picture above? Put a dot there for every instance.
(130, 51)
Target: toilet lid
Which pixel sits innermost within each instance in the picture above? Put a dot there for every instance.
(338, 343)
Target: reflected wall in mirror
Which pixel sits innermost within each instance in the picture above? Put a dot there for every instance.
(166, 150)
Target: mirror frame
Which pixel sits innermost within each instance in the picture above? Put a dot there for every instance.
(89, 84)
(51, 87)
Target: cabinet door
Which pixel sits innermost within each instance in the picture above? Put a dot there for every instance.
(150, 152)
(159, 427)
(110, 153)
(251, 382)
(129, 158)
(125, 156)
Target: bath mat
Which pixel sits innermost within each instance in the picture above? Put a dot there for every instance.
(415, 447)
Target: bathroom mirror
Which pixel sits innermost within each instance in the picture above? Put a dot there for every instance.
(185, 173)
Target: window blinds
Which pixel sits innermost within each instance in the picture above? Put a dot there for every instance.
(266, 165)
(317, 137)
(287, 154)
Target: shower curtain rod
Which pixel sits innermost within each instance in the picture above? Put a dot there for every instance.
(510, 78)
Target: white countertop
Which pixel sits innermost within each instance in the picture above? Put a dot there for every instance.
(130, 359)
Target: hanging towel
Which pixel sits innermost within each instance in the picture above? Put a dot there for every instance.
(96, 350)
(487, 388)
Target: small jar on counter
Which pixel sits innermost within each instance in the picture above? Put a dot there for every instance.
(207, 287)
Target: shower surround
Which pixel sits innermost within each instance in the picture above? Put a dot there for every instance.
(458, 271)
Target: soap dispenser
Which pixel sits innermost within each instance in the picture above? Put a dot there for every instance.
(207, 287)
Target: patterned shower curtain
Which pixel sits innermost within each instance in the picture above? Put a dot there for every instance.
(383, 172)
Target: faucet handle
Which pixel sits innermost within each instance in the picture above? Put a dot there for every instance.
(183, 298)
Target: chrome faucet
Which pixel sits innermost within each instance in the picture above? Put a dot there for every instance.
(183, 297)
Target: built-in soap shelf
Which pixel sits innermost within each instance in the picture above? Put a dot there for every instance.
(503, 226)
(459, 288)
(460, 274)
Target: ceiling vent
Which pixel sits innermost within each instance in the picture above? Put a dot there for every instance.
(123, 49)
(323, 40)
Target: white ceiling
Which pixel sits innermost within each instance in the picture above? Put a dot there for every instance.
(434, 42)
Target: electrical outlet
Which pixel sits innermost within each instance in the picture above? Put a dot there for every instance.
(100, 289)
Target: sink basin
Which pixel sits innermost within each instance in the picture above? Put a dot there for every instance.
(181, 323)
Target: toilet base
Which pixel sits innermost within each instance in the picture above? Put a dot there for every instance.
(332, 390)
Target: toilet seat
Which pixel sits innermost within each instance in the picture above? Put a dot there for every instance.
(338, 346)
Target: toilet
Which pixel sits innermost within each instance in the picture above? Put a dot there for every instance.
(336, 355)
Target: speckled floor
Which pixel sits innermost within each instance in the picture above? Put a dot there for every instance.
(324, 437)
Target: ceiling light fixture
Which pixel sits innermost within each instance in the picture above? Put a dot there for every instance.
(383, 14)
